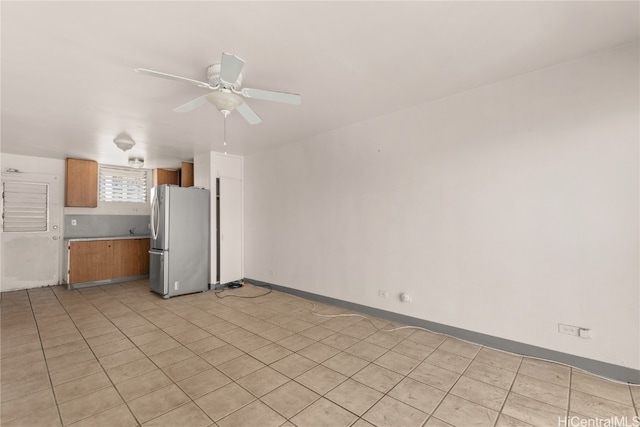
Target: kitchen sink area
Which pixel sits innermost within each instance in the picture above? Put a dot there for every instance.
(104, 249)
(80, 239)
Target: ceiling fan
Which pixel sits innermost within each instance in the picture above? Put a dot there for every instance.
(224, 82)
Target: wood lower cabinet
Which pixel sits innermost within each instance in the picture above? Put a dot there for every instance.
(143, 256)
(90, 261)
(106, 260)
(125, 258)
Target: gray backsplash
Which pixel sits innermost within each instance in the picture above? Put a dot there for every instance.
(105, 225)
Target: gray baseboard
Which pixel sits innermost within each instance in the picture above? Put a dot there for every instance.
(104, 282)
(604, 369)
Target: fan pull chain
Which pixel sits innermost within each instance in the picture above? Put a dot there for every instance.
(225, 134)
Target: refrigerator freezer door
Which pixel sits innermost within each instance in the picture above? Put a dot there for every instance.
(160, 220)
(188, 232)
(158, 273)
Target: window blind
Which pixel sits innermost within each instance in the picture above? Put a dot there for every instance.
(25, 206)
(123, 185)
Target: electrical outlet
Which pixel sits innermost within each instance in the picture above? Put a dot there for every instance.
(176, 285)
(406, 297)
(569, 330)
(74, 222)
(383, 293)
(575, 331)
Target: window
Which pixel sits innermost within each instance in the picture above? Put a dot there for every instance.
(24, 207)
(123, 185)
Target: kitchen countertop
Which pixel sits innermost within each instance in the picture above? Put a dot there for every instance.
(80, 239)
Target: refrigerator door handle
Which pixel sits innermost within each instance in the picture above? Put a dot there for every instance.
(155, 207)
(156, 252)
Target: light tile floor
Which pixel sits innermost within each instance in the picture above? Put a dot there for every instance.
(119, 355)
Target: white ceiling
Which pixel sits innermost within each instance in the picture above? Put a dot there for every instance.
(68, 85)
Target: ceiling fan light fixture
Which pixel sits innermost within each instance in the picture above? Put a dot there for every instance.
(124, 143)
(136, 162)
(225, 79)
(224, 101)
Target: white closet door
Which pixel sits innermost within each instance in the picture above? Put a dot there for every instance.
(230, 230)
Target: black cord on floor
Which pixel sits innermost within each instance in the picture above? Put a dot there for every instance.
(243, 296)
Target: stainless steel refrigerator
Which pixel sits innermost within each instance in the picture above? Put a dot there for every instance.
(179, 255)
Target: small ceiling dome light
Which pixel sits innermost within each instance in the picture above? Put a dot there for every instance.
(124, 143)
(136, 162)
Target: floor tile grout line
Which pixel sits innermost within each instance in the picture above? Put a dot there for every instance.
(134, 344)
(146, 356)
(406, 376)
(385, 394)
(159, 368)
(174, 382)
(448, 392)
(316, 364)
(256, 398)
(127, 337)
(515, 377)
(634, 403)
(610, 401)
(572, 389)
(55, 398)
(98, 360)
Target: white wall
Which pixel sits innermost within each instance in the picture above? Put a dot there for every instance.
(503, 210)
(39, 165)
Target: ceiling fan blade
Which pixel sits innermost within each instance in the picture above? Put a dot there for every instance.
(171, 77)
(269, 95)
(248, 114)
(230, 68)
(185, 108)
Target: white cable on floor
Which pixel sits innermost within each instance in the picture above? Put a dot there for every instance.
(469, 342)
(313, 312)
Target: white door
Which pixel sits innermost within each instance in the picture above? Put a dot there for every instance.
(31, 237)
(230, 230)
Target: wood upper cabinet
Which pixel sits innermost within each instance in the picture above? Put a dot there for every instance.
(186, 175)
(165, 176)
(81, 183)
(90, 261)
(182, 177)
